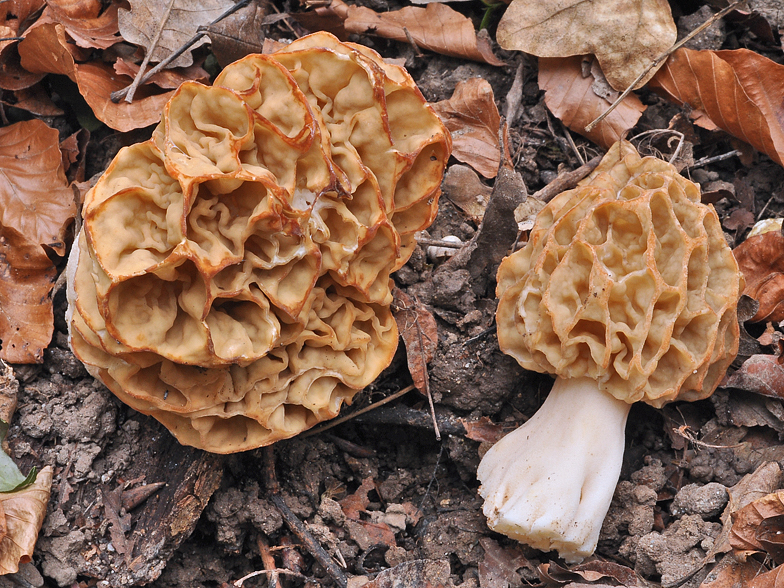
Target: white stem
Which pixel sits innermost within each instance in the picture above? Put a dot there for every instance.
(549, 483)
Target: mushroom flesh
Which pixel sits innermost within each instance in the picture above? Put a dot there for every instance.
(232, 276)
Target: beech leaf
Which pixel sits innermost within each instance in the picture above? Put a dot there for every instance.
(161, 27)
(84, 23)
(45, 50)
(570, 96)
(420, 336)
(23, 512)
(624, 35)
(472, 118)
(240, 33)
(36, 206)
(761, 374)
(739, 91)
(747, 535)
(761, 260)
(436, 27)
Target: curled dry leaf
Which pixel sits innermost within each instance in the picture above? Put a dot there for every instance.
(436, 27)
(463, 188)
(45, 50)
(624, 35)
(759, 527)
(162, 27)
(361, 530)
(498, 568)
(24, 513)
(418, 328)
(740, 92)
(570, 96)
(472, 118)
(15, 17)
(84, 22)
(596, 573)
(731, 573)
(761, 260)
(762, 374)
(36, 205)
(772, 579)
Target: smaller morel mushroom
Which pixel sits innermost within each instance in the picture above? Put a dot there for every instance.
(232, 276)
(626, 291)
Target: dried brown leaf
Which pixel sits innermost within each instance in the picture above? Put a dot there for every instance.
(15, 17)
(751, 528)
(24, 513)
(595, 573)
(731, 573)
(463, 188)
(45, 50)
(740, 91)
(239, 34)
(161, 27)
(34, 99)
(761, 260)
(436, 27)
(36, 205)
(483, 430)
(624, 35)
(772, 579)
(84, 22)
(570, 96)
(762, 481)
(472, 117)
(356, 503)
(418, 328)
(762, 374)
(498, 568)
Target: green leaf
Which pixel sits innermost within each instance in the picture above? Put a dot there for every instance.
(11, 478)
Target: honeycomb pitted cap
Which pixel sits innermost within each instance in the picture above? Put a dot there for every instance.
(626, 279)
(232, 276)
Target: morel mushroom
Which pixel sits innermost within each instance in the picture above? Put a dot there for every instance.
(232, 277)
(626, 291)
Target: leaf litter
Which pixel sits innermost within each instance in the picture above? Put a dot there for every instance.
(413, 514)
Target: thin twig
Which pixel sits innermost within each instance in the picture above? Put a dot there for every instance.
(658, 132)
(708, 160)
(413, 43)
(566, 180)
(148, 54)
(268, 561)
(275, 572)
(297, 526)
(11, 39)
(432, 478)
(572, 144)
(120, 94)
(660, 59)
(348, 417)
(425, 375)
(438, 243)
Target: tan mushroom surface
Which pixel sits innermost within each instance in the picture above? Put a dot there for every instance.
(626, 291)
(232, 277)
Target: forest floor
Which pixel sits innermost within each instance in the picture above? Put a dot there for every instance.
(385, 499)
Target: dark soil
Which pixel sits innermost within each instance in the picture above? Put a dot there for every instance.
(417, 495)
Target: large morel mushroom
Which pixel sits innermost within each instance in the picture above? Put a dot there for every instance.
(232, 276)
(626, 291)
